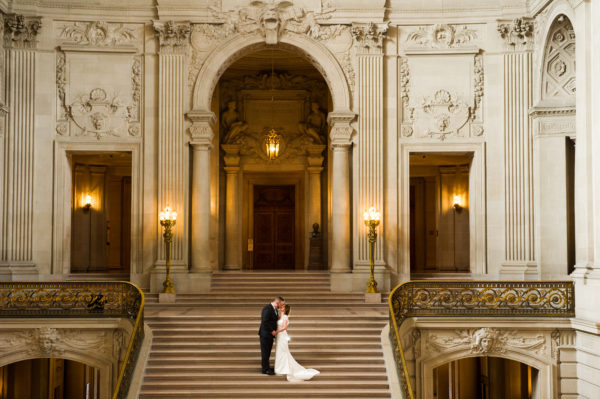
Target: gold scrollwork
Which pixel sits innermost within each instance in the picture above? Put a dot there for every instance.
(81, 299)
(474, 299)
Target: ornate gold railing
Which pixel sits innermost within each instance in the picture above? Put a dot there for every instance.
(473, 299)
(81, 299)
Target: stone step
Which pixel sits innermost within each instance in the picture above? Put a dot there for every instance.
(153, 374)
(373, 345)
(325, 369)
(253, 339)
(307, 332)
(274, 392)
(255, 360)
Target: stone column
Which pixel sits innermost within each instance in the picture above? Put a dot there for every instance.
(520, 252)
(368, 39)
(233, 239)
(16, 224)
(315, 167)
(202, 135)
(341, 134)
(173, 171)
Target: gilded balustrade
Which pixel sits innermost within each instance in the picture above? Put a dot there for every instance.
(473, 299)
(66, 299)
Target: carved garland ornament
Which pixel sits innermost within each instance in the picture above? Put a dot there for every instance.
(442, 36)
(485, 341)
(98, 33)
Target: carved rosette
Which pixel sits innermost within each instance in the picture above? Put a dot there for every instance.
(173, 37)
(21, 31)
(518, 34)
(368, 38)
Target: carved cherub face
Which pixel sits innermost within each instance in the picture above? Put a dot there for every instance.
(99, 121)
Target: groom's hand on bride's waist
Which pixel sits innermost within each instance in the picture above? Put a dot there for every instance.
(274, 333)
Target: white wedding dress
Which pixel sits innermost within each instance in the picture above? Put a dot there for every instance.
(284, 361)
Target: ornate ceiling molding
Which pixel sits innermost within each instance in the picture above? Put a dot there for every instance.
(21, 31)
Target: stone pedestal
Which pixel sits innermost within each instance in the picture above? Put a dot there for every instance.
(373, 297)
(165, 297)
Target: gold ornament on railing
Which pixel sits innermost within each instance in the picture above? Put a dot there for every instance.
(168, 218)
(434, 298)
(82, 299)
(272, 144)
(372, 217)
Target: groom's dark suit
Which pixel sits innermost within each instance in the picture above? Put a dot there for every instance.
(268, 324)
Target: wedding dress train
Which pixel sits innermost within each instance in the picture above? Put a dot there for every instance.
(285, 362)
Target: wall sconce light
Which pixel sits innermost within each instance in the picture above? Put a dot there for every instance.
(88, 203)
(457, 204)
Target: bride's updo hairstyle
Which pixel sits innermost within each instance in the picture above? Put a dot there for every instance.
(287, 309)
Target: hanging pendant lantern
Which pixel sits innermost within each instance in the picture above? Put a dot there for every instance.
(272, 144)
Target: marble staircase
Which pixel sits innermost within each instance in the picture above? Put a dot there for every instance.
(206, 345)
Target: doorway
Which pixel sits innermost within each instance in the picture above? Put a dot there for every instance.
(485, 378)
(274, 227)
(49, 379)
(439, 212)
(101, 213)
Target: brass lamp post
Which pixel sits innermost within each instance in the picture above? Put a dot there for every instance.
(372, 217)
(168, 218)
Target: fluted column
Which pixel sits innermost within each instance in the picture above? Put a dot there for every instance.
(172, 150)
(520, 252)
(16, 233)
(341, 133)
(201, 134)
(369, 44)
(233, 239)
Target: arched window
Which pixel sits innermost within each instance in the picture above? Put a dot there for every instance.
(558, 77)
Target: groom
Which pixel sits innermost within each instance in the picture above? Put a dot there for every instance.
(268, 331)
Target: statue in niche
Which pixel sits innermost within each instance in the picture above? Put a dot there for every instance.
(315, 124)
(232, 125)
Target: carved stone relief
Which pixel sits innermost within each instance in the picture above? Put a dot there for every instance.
(272, 20)
(21, 31)
(96, 113)
(442, 114)
(518, 33)
(369, 38)
(487, 341)
(173, 37)
(297, 103)
(442, 36)
(98, 34)
(558, 75)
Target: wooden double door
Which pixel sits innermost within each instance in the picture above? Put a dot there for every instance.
(274, 227)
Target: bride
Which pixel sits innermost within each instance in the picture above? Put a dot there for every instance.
(284, 361)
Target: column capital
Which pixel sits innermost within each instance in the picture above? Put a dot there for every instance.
(369, 37)
(21, 31)
(314, 170)
(201, 132)
(517, 34)
(173, 37)
(341, 130)
(232, 155)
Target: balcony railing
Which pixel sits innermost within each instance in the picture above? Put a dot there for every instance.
(67, 299)
(433, 298)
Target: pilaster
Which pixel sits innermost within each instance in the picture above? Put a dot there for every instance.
(16, 224)
(368, 39)
(520, 251)
(173, 39)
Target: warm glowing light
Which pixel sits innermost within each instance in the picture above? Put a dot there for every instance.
(272, 144)
(457, 200)
(87, 202)
(168, 214)
(372, 215)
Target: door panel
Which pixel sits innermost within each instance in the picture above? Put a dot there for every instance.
(274, 227)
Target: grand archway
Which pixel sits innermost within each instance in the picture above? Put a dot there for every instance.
(203, 131)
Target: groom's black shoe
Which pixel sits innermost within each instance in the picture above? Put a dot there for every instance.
(269, 372)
